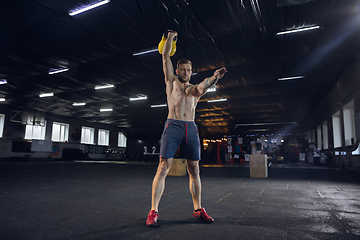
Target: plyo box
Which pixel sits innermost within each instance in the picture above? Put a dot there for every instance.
(178, 167)
(258, 166)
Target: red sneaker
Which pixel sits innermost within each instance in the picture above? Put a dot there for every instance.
(152, 218)
(202, 214)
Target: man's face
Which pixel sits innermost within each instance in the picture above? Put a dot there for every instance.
(184, 72)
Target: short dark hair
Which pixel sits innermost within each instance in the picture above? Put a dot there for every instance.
(184, 61)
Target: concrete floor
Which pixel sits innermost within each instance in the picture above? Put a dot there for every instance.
(67, 200)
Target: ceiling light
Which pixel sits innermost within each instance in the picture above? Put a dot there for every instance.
(194, 74)
(2, 99)
(104, 86)
(159, 105)
(212, 89)
(298, 30)
(79, 104)
(88, 7)
(3, 81)
(46, 95)
(138, 98)
(218, 100)
(259, 130)
(290, 78)
(53, 70)
(106, 110)
(262, 124)
(145, 52)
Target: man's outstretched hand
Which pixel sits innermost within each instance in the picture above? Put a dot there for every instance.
(220, 73)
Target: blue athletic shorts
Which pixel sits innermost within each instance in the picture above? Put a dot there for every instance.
(176, 133)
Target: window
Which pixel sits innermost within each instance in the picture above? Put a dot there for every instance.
(349, 123)
(60, 132)
(325, 135)
(2, 120)
(121, 140)
(87, 135)
(337, 129)
(35, 132)
(103, 138)
(357, 151)
(318, 137)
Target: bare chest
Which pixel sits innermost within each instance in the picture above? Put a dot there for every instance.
(181, 90)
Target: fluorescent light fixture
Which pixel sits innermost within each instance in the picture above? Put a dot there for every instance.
(290, 78)
(262, 124)
(259, 130)
(104, 86)
(53, 71)
(298, 30)
(212, 89)
(159, 105)
(106, 110)
(3, 81)
(79, 104)
(218, 100)
(46, 95)
(2, 99)
(88, 7)
(145, 52)
(138, 98)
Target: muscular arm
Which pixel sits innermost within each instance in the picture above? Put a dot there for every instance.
(167, 64)
(209, 82)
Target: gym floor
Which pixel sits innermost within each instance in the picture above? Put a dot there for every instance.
(79, 200)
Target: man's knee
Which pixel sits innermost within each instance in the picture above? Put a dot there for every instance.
(164, 166)
(193, 169)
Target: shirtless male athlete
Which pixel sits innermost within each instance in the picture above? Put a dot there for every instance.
(182, 98)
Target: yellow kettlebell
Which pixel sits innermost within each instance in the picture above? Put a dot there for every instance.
(162, 43)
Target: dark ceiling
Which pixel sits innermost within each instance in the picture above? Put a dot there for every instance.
(97, 47)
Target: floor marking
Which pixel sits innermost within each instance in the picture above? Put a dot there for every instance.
(338, 188)
(242, 185)
(243, 214)
(165, 194)
(170, 228)
(218, 186)
(175, 203)
(262, 191)
(287, 186)
(223, 197)
(320, 195)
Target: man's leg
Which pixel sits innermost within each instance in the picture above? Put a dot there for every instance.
(158, 186)
(194, 182)
(159, 182)
(195, 189)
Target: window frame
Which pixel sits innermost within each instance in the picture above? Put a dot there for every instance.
(122, 140)
(65, 135)
(2, 124)
(337, 130)
(92, 131)
(42, 132)
(101, 141)
(349, 122)
(319, 137)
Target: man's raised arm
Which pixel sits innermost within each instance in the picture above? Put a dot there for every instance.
(210, 81)
(167, 64)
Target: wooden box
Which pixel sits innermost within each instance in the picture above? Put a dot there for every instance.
(178, 167)
(258, 166)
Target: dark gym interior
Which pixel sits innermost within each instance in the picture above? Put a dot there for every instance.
(83, 107)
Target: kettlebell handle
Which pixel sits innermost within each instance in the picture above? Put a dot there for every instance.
(166, 34)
